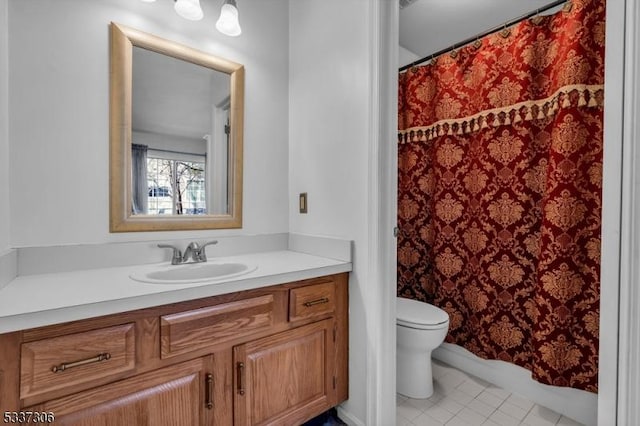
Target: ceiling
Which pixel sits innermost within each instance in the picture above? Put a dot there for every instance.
(174, 97)
(427, 26)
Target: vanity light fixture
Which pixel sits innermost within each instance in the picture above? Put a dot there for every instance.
(227, 24)
(189, 9)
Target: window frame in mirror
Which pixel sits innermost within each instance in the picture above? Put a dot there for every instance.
(121, 218)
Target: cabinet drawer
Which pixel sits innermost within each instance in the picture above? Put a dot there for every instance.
(188, 331)
(312, 300)
(66, 361)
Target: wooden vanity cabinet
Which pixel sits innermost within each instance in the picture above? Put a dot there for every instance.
(60, 362)
(280, 379)
(271, 356)
(179, 395)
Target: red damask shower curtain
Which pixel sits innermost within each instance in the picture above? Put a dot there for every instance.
(499, 198)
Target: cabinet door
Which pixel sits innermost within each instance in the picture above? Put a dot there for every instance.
(285, 379)
(172, 396)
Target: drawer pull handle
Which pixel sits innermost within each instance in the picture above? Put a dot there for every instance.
(67, 365)
(316, 302)
(241, 378)
(209, 391)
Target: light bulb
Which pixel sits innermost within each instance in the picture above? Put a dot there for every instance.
(228, 22)
(189, 9)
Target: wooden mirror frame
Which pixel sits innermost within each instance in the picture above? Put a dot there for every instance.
(121, 218)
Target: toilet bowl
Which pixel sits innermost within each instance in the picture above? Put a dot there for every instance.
(421, 328)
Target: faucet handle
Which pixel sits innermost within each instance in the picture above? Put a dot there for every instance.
(176, 258)
(202, 256)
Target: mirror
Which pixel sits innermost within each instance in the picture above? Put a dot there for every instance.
(176, 121)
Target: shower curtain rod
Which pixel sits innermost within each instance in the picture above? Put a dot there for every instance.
(485, 33)
(170, 151)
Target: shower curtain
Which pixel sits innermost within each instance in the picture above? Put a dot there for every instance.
(499, 197)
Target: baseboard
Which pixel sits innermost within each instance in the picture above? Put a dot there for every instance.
(579, 405)
(349, 418)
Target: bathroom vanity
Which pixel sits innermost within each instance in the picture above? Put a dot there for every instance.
(271, 355)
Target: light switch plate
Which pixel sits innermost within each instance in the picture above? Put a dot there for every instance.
(303, 202)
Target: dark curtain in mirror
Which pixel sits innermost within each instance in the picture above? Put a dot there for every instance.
(139, 178)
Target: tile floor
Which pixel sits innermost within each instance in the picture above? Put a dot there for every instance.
(460, 399)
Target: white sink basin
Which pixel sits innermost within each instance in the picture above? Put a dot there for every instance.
(192, 273)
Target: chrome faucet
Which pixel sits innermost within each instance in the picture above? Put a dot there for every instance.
(194, 251)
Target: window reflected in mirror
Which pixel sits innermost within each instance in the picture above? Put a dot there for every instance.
(174, 185)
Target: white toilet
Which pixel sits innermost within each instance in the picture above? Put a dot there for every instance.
(421, 328)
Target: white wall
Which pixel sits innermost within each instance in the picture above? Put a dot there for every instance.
(4, 131)
(329, 76)
(627, 88)
(59, 113)
(613, 184)
(406, 56)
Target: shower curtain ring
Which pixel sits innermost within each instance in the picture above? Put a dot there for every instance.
(505, 31)
(537, 19)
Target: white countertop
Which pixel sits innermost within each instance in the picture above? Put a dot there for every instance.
(44, 299)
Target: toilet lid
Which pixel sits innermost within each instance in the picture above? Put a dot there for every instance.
(413, 312)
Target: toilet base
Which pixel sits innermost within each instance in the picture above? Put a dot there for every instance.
(413, 374)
